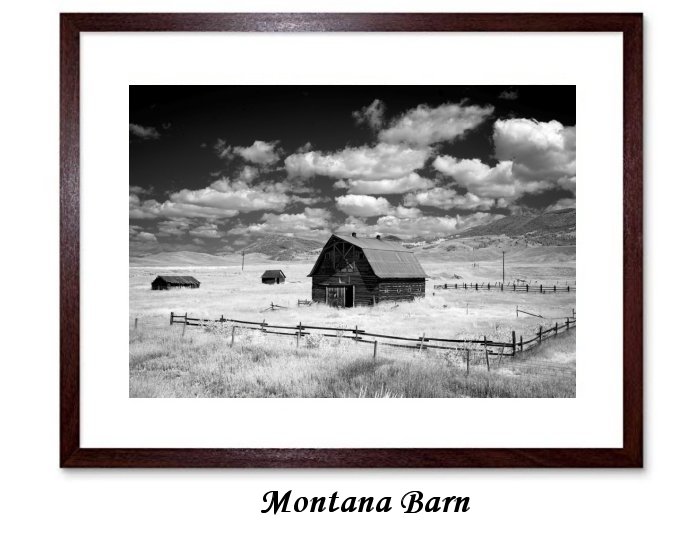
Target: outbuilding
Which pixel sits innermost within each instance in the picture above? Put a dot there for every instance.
(273, 277)
(172, 282)
(355, 271)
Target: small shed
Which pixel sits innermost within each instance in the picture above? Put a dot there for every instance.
(172, 282)
(354, 271)
(273, 277)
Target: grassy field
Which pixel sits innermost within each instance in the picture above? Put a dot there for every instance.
(163, 363)
(202, 363)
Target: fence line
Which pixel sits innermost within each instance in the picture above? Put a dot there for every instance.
(517, 288)
(514, 347)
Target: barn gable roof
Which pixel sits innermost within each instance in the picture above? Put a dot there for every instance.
(387, 259)
(179, 280)
(273, 274)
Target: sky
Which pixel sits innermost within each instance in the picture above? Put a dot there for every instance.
(213, 168)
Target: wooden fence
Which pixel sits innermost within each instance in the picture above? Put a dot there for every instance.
(508, 349)
(515, 287)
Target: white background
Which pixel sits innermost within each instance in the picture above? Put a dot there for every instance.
(592, 62)
(45, 504)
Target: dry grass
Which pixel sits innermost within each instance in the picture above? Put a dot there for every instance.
(163, 363)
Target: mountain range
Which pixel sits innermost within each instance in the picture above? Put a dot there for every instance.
(555, 228)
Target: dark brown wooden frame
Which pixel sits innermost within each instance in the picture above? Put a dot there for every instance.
(72, 455)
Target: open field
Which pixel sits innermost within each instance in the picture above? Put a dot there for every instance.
(165, 364)
(202, 363)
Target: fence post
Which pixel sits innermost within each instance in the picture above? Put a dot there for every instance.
(555, 289)
(540, 288)
(517, 313)
(222, 318)
(539, 336)
(521, 343)
(567, 323)
(501, 286)
(355, 333)
(136, 323)
(420, 347)
(527, 287)
(486, 352)
(374, 355)
(568, 288)
(171, 317)
(298, 334)
(233, 335)
(556, 328)
(513, 343)
(184, 325)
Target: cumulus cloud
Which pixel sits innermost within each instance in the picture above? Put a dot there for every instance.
(372, 115)
(306, 222)
(479, 178)
(208, 230)
(146, 237)
(353, 224)
(509, 95)
(135, 189)
(412, 182)
(382, 161)
(363, 205)
(260, 152)
(173, 227)
(538, 150)
(143, 133)
(223, 198)
(406, 213)
(447, 199)
(223, 150)
(424, 126)
(248, 173)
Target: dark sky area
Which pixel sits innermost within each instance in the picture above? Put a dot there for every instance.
(213, 167)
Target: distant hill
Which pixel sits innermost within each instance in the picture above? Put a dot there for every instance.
(284, 248)
(519, 225)
(270, 247)
(184, 258)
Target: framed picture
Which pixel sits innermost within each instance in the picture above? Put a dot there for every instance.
(355, 240)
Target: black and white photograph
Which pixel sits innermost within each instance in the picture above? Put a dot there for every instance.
(352, 241)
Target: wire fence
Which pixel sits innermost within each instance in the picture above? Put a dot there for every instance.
(509, 287)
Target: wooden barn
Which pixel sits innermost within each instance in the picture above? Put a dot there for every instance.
(352, 271)
(173, 282)
(273, 277)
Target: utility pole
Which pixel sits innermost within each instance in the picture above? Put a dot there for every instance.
(243, 260)
(504, 268)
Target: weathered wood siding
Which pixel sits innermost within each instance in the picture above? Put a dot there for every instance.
(401, 289)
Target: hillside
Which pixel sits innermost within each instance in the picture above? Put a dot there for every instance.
(184, 258)
(284, 248)
(560, 221)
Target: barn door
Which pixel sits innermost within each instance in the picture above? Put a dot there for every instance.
(335, 296)
(349, 298)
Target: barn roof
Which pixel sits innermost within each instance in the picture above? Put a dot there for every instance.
(387, 259)
(178, 280)
(273, 274)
